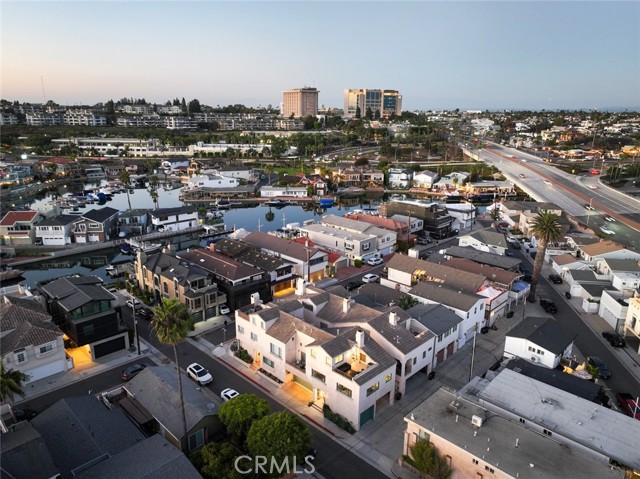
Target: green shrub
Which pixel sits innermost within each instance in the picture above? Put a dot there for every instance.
(357, 263)
(337, 419)
(244, 355)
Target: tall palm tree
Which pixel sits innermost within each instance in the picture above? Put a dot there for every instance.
(171, 324)
(125, 179)
(546, 227)
(11, 381)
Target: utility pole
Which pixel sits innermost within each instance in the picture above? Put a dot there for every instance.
(473, 351)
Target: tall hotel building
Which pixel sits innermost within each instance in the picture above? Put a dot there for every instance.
(300, 102)
(387, 102)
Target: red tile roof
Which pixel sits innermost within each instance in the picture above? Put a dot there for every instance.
(12, 217)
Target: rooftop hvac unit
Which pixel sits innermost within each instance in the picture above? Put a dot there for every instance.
(477, 421)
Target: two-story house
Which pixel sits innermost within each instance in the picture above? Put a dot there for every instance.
(87, 313)
(134, 221)
(385, 239)
(539, 340)
(19, 227)
(424, 179)
(168, 277)
(174, 219)
(56, 230)
(355, 246)
(280, 271)
(443, 323)
(486, 239)
(96, 226)
(399, 178)
(30, 342)
(309, 263)
(236, 280)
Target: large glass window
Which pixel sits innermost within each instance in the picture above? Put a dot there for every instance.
(373, 388)
(344, 390)
(196, 440)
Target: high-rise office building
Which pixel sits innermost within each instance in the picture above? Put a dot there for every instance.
(300, 102)
(386, 102)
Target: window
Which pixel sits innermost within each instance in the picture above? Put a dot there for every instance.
(94, 226)
(344, 390)
(339, 358)
(366, 247)
(46, 348)
(414, 361)
(197, 303)
(318, 375)
(424, 354)
(275, 350)
(487, 468)
(196, 440)
(254, 337)
(547, 432)
(388, 378)
(475, 461)
(241, 329)
(268, 362)
(373, 388)
(348, 246)
(522, 421)
(328, 360)
(21, 356)
(313, 353)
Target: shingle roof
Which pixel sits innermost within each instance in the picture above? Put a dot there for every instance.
(13, 314)
(452, 277)
(101, 214)
(13, 217)
(72, 292)
(626, 265)
(279, 245)
(483, 257)
(219, 264)
(442, 294)
(489, 236)
(78, 430)
(25, 454)
(172, 211)
(286, 326)
(583, 275)
(333, 311)
(346, 341)
(174, 268)
(583, 240)
(435, 317)
(58, 220)
(545, 332)
(602, 247)
(562, 259)
(398, 335)
(30, 334)
(380, 294)
(491, 273)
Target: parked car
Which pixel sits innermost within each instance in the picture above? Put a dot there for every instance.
(145, 313)
(555, 279)
(228, 394)
(375, 261)
(224, 309)
(131, 371)
(596, 362)
(134, 303)
(549, 306)
(616, 340)
(351, 285)
(629, 405)
(423, 240)
(567, 295)
(199, 374)
(370, 278)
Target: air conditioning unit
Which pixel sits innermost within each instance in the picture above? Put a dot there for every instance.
(477, 421)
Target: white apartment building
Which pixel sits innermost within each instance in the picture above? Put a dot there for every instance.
(385, 239)
(355, 246)
(212, 181)
(174, 219)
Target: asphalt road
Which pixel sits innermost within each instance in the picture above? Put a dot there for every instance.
(570, 192)
(333, 460)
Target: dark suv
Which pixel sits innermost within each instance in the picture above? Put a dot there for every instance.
(555, 279)
(549, 306)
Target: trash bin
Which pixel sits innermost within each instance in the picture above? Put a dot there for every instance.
(431, 375)
(398, 396)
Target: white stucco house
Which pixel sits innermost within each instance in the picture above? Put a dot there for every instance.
(174, 219)
(283, 192)
(212, 181)
(56, 230)
(542, 341)
(486, 239)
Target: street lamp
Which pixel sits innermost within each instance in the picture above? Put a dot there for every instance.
(589, 212)
(135, 322)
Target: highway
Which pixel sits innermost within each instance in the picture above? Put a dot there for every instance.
(571, 193)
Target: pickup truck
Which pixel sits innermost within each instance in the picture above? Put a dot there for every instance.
(629, 405)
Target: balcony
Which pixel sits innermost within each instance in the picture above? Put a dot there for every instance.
(351, 370)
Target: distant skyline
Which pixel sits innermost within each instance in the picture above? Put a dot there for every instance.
(439, 55)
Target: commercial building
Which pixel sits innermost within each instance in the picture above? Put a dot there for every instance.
(300, 102)
(381, 103)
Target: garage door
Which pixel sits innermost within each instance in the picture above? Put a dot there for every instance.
(109, 347)
(45, 370)
(94, 238)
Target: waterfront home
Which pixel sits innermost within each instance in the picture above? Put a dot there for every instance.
(87, 313)
(56, 230)
(18, 227)
(424, 179)
(284, 192)
(309, 262)
(385, 238)
(399, 178)
(174, 219)
(436, 219)
(96, 226)
(168, 277)
(29, 340)
(452, 181)
(212, 181)
(133, 222)
(353, 245)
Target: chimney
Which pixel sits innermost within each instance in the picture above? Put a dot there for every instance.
(301, 287)
(393, 318)
(360, 338)
(141, 258)
(346, 305)
(255, 299)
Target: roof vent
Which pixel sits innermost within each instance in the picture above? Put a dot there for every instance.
(477, 421)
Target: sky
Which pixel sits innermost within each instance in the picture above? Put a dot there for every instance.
(439, 55)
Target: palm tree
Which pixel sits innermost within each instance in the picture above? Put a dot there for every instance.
(153, 190)
(125, 179)
(11, 381)
(171, 324)
(545, 227)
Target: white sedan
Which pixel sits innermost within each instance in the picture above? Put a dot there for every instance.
(134, 303)
(370, 278)
(199, 374)
(228, 394)
(610, 219)
(607, 231)
(375, 261)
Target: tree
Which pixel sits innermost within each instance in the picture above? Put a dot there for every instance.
(11, 382)
(217, 461)
(125, 179)
(194, 106)
(171, 323)
(426, 460)
(361, 162)
(238, 415)
(495, 212)
(546, 228)
(153, 190)
(405, 301)
(358, 112)
(369, 113)
(278, 436)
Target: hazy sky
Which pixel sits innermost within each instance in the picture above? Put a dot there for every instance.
(468, 55)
